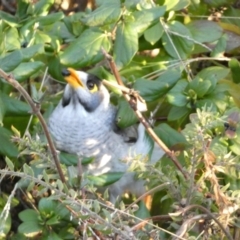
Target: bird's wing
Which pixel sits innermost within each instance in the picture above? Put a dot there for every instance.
(129, 134)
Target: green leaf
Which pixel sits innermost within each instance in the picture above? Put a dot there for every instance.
(53, 67)
(5, 225)
(152, 90)
(105, 14)
(55, 236)
(145, 18)
(72, 159)
(96, 206)
(53, 220)
(42, 37)
(60, 30)
(28, 215)
(9, 164)
(216, 72)
(47, 206)
(213, 74)
(176, 5)
(40, 8)
(220, 47)
(87, 160)
(235, 69)
(26, 29)
(14, 106)
(11, 61)
(22, 7)
(50, 19)
(176, 95)
(200, 86)
(218, 99)
(73, 25)
(205, 31)
(126, 45)
(86, 49)
(11, 39)
(125, 115)
(142, 211)
(233, 12)
(24, 70)
(8, 18)
(177, 113)
(207, 102)
(169, 135)
(235, 148)
(233, 89)
(178, 45)
(29, 227)
(154, 33)
(62, 211)
(105, 179)
(68, 159)
(32, 51)
(19, 122)
(7, 147)
(2, 109)
(177, 99)
(219, 3)
(28, 170)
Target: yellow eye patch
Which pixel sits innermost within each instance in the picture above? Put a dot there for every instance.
(95, 89)
(92, 86)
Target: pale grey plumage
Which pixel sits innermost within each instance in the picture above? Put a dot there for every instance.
(83, 123)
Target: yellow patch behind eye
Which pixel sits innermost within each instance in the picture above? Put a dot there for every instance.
(95, 88)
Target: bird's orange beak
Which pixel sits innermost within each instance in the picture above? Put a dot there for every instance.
(71, 76)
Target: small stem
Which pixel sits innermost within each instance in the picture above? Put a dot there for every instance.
(149, 192)
(194, 206)
(36, 111)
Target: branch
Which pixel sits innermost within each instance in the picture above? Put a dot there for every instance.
(184, 227)
(135, 98)
(36, 111)
(203, 209)
(149, 192)
(70, 201)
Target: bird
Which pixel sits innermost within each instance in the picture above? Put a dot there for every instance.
(84, 123)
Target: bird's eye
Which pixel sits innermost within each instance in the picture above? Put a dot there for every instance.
(92, 86)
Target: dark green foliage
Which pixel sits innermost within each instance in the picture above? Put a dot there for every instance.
(176, 61)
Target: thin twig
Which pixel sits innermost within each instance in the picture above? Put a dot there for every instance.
(40, 89)
(165, 27)
(115, 85)
(6, 210)
(141, 117)
(36, 111)
(177, 63)
(184, 227)
(194, 206)
(124, 213)
(72, 200)
(150, 192)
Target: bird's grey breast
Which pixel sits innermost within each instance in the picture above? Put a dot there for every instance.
(77, 131)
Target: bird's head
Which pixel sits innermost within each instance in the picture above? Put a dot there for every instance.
(84, 89)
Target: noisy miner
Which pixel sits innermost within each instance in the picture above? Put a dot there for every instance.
(84, 123)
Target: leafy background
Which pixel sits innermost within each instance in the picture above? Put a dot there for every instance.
(182, 57)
